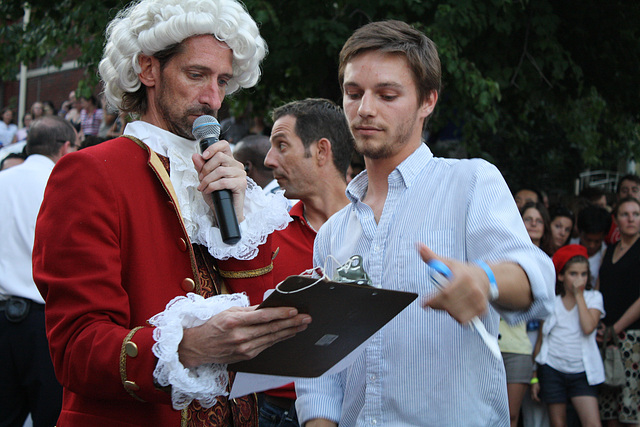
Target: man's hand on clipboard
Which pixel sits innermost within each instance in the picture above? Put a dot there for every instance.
(239, 333)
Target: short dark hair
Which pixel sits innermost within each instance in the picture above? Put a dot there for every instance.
(47, 134)
(556, 211)
(628, 177)
(594, 219)
(11, 156)
(592, 194)
(253, 148)
(318, 118)
(399, 38)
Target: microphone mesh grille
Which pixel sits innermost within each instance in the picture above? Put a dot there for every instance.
(206, 126)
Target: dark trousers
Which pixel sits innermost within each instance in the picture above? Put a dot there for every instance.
(272, 415)
(27, 381)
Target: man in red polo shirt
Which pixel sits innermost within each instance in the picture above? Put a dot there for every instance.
(311, 148)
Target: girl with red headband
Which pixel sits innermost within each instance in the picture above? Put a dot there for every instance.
(569, 362)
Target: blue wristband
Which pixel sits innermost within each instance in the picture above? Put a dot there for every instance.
(493, 286)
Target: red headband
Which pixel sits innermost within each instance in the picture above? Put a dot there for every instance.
(567, 252)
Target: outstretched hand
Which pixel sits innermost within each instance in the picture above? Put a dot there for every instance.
(239, 333)
(466, 295)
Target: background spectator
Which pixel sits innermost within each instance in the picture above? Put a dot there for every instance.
(561, 226)
(91, 116)
(526, 195)
(37, 110)
(12, 159)
(21, 134)
(593, 224)
(569, 362)
(8, 129)
(251, 151)
(27, 380)
(628, 186)
(619, 276)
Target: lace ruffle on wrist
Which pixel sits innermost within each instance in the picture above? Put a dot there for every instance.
(263, 214)
(204, 382)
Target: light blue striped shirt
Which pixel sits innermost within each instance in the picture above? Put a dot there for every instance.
(423, 368)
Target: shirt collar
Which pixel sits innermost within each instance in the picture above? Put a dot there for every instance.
(159, 139)
(297, 210)
(405, 173)
(41, 160)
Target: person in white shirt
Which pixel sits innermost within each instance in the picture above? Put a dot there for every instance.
(569, 362)
(27, 381)
(427, 366)
(8, 129)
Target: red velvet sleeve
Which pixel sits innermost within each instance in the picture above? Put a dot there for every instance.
(78, 268)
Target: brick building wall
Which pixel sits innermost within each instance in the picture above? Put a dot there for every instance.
(53, 86)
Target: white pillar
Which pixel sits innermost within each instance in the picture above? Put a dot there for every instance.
(22, 95)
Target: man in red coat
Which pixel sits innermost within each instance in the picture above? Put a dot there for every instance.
(139, 328)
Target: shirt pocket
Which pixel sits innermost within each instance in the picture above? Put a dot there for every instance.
(412, 272)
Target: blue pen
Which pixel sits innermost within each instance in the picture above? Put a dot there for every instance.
(440, 279)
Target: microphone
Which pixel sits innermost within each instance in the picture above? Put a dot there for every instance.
(207, 130)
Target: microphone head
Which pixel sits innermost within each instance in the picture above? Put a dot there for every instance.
(206, 127)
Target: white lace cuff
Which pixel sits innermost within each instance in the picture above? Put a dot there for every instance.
(204, 382)
(263, 213)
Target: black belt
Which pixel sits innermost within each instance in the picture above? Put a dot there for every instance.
(4, 302)
(280, 402)
(17, 309)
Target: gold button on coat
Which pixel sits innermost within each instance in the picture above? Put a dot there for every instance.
(131, 348)
(131, 386)
(182, 244)
(188, 285)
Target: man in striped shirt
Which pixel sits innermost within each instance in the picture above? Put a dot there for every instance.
(427, 366)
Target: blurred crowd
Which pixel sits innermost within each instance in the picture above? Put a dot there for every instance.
(94, 120)
(601, 230)
(595, 228)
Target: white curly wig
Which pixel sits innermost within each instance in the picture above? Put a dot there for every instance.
(150, 26)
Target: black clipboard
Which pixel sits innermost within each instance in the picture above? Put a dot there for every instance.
(344, 315)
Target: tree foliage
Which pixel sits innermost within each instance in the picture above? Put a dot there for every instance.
(542, 88)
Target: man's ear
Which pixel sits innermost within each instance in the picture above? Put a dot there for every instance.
(148, 67)
(323, 150)
(429, 104)
(66, 148)
(248, 166)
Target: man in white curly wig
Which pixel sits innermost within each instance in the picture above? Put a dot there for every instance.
(139, 322)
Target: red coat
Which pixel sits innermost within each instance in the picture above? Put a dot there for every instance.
(110, 252)
(286, 253)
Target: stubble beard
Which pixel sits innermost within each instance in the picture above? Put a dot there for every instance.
(180, 124)
(374, 149)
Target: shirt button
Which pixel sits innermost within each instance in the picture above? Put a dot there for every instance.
(374, 422)
(372, 377)
(188, 285)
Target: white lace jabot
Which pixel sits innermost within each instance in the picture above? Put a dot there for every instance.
(263, 214)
